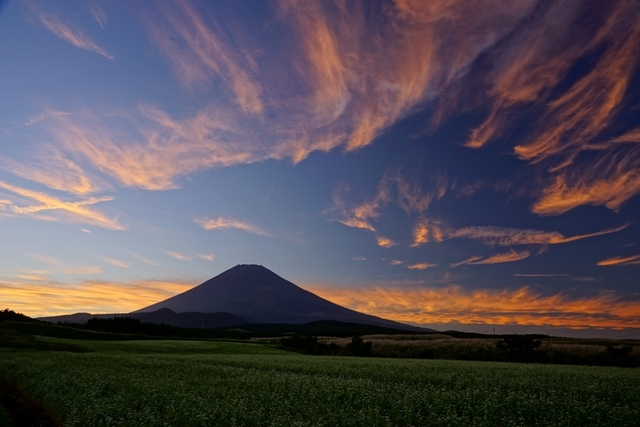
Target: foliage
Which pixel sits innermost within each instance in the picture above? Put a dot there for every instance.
(358, 347)
(11, 315)
(519, 348)
(308, 344)
(189, 383)
(117, 324)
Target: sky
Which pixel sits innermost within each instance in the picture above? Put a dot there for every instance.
(451, 164)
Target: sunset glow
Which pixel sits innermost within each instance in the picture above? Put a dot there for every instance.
(425, 161)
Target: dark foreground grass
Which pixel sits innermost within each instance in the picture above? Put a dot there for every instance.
(147, 383)
(18, 409)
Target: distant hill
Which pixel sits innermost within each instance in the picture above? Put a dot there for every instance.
(257, 294)
(164, 315)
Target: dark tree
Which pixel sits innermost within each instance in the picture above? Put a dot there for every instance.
(358, 347)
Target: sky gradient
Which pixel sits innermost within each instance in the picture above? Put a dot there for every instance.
(449, 164)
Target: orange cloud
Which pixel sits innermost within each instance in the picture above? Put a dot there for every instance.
(52, 168)
(222, 223)
(510, 256)
(421, 266)
(500, 307)
(161, 151)
(631, 260)
(78, 211)
(426, 229)
(52, 298)
(325, 90)
(385, 242)
(611, 180)
(72, 35)
(359, 216)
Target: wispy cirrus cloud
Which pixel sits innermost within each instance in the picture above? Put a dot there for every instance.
(73, 35)
(63, 267)
(206, 257)
(505, 236)
(99, 15)
(539, 275)
(141, 258)
(521, 306)
(114, 262)
(530, 68)
(510, 256)
(630, 260)
(358, 215)
(179, 256)
(226, 223)
(421, 266)
(610, 180)
(78, 211)
(340, 98)
(49, 166)
(198, 52)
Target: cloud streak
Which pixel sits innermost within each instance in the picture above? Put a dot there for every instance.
(510, 256)
(72, 35)
(630, 260)
(114, 262)
(505, 236)
(79, 211)
(421, 266)
(226, 223)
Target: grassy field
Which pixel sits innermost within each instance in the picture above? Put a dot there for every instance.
(189, 383)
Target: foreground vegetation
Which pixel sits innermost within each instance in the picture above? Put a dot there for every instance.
(199, 383)
(509, 348)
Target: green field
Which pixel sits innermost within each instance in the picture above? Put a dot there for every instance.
(190, 383)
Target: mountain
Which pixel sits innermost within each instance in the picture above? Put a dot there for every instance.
(257, 294)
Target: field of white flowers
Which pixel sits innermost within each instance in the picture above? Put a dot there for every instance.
(180, 383)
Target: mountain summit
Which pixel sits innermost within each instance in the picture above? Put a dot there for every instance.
(255, 293)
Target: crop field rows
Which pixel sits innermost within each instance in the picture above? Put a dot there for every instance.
(178, 383)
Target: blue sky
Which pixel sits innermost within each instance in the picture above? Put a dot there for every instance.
(437, 163)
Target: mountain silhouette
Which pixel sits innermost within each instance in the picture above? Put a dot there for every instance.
(255, 293)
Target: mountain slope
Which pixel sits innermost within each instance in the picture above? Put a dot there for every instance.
(257, 294)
